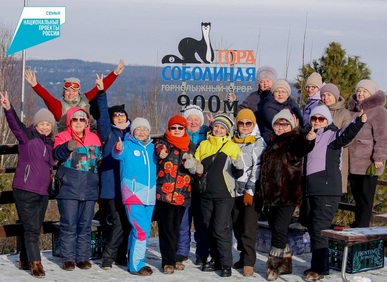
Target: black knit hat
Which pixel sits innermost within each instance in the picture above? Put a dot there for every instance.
(117, 109)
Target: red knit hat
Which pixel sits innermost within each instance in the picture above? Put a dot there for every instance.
(177, 119)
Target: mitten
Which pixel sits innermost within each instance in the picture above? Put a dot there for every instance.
(190, 163)
(238, 162)
(247, 199)
(72, 145)
(199, 168)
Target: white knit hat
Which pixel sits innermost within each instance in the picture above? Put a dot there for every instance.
(139, 121)
(266, 72)
(194, 110)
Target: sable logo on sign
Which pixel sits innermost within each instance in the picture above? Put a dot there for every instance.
(189, 46)
(232, 63)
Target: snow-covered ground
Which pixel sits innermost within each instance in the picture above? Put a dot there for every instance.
(10, 272)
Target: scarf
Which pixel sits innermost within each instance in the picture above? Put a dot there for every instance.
(244, 139)
(179, 142)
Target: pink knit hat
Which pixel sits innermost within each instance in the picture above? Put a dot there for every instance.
(331, 88)
(369, 85)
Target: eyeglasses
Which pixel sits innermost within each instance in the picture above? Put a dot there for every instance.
(117, 115)
(281, 124)
(247, 123)
(317, 119)
(73, 85)
(282, 92)
(311, 87)
(176, 128)
(81, 119)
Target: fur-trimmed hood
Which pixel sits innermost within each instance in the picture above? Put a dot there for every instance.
(377, 99)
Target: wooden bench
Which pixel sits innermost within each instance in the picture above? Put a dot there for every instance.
(380, 217)
(48, 227)
(351, 236)
(15, 229)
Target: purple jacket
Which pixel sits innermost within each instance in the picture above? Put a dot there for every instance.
(35, 160)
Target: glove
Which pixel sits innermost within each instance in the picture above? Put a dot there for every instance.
(189, 161)
(72, 145)
(199, 168)
(247, 199)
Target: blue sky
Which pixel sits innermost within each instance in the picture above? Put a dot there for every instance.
(143, 31)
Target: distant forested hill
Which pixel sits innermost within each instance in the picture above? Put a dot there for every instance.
(133, 80)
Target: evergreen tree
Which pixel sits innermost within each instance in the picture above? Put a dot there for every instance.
(335, 66)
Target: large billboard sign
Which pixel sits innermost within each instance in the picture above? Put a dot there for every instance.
(207, 69)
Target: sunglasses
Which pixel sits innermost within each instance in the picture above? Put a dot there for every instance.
(247, 123)
(81, 119)
(281, 124)
(312, 87)
(119, 115)
(319, 119)
(176, 128)
(73, 85)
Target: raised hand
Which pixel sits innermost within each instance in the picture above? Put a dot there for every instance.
(119, 68)
(363, 116)
(189, 161)
(311, 135)
(4, 100)
(119, 145)
(163, 152)
(99, 82)
(72, 144)
(30, 76)
(210, 118)
(231, 97)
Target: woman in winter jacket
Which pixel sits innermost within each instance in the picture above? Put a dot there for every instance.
(138, 189)
(330, 97)
(197, 132)
(313, 85)
(173, 190)
(368, 150)
(78, 151)
(32, 179)
(278, 100)
(244, 213)
(71, 95)
(266, 76)
(280, 183)
(112, 123)
(223, 163)
(323, 183)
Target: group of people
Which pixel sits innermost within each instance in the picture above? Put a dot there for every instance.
(271, 156)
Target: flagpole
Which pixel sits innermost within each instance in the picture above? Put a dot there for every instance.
(22, 79)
